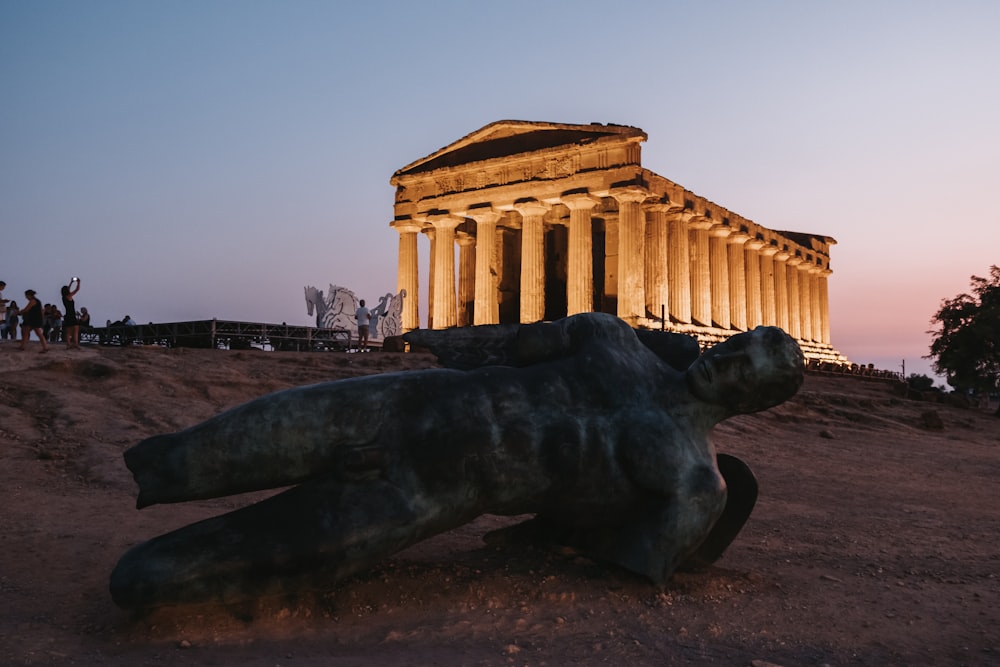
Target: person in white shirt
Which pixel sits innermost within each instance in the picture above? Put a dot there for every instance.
(364, 317)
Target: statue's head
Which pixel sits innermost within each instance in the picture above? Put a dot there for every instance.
(749, 372)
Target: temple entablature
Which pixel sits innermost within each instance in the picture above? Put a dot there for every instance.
(554, 219)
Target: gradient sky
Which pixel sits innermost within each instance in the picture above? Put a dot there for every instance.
(198, 159)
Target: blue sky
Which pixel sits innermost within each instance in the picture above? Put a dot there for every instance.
(207, 159)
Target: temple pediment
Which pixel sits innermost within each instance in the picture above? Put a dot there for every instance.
(507, 138)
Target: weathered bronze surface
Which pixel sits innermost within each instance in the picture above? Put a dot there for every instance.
(575, 421)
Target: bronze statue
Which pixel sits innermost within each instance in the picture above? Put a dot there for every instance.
(576, 421)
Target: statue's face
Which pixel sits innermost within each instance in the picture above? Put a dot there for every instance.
(749, 372)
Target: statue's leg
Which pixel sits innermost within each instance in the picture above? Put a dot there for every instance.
(310, 535)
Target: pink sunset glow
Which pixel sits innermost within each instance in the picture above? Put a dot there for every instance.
(197, 160)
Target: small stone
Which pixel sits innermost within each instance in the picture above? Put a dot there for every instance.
(826, 433)
(184, 644)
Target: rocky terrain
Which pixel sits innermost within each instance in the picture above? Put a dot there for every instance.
(874, 542)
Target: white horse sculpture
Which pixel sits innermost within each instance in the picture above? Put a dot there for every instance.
(336, 310)
(389, 314)
(314, 302)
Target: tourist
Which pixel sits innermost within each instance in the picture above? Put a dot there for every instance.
(12, 320)
(46, 320)
(71, 325)
(4, 331)
(127, 331)
(586, 427)
(32, 320)
(55, 324)
(363, 316)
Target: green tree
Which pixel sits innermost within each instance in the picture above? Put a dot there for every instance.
(920, 382)
(966, 346)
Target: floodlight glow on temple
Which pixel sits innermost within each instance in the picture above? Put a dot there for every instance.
(555, 219)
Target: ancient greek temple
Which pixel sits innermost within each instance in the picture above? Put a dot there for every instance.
(554, 219)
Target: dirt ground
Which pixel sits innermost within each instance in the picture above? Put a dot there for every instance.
(874, 542)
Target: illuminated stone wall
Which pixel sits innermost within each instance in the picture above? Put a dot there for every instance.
(555, 219)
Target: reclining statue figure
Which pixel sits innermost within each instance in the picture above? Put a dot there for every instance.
(578, 422)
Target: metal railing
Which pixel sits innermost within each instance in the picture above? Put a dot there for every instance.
(220, 334)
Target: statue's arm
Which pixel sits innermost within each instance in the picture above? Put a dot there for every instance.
(685, 497)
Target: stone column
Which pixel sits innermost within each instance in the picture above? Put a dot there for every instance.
(532, 260)
(824, 305)
(486, 307)
(737, 280)
(631, 253)
(431, 235)
(580, 260)
(679, 265)
(755, 307)
(768, 297)
(508, 269)
(466, 277)
(794, 301)
(445, 307)
(657, 263)
(782, 317)
(701, 272)
(408, 271)
(805, 300)
(814, 306)
(718, 257)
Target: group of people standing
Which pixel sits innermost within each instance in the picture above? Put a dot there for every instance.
(46, 322)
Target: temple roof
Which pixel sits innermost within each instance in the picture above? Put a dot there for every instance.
(505, 138)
